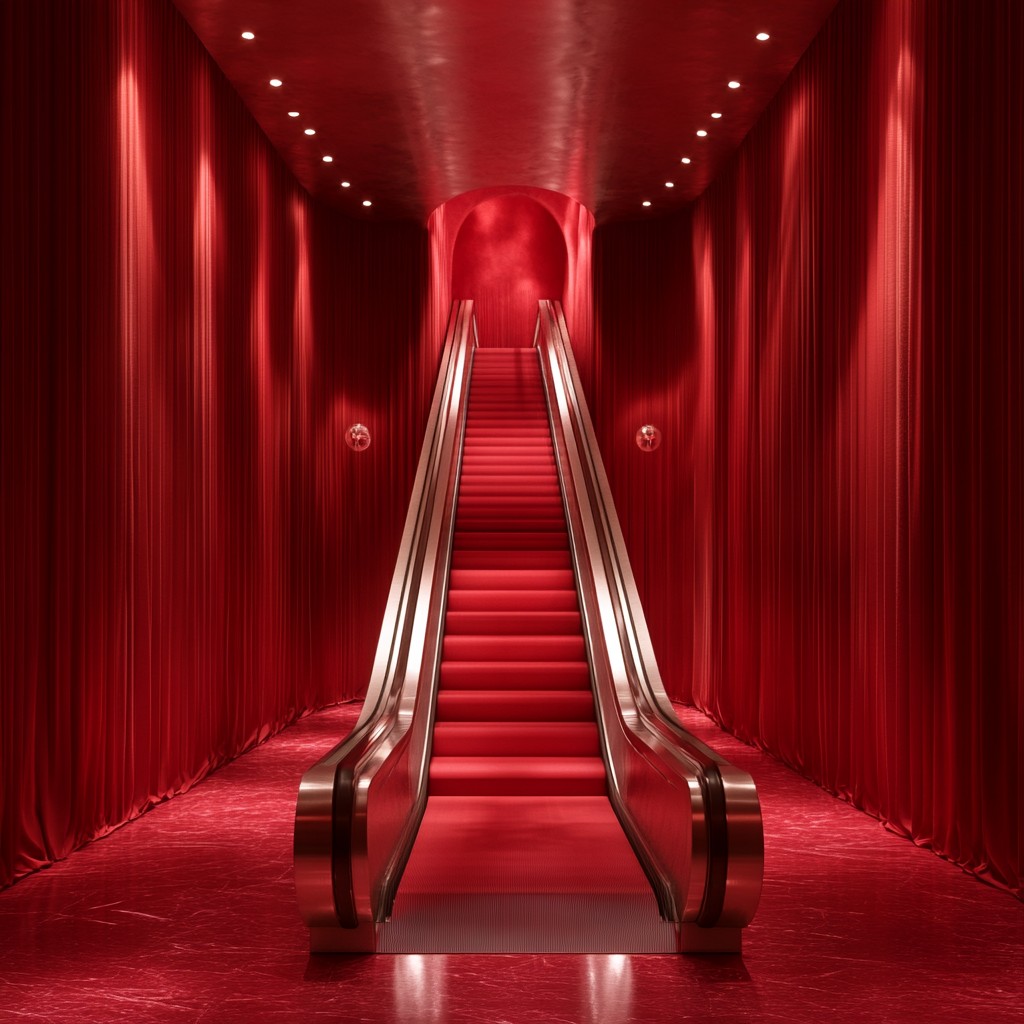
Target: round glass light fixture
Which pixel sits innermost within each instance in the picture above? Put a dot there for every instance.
(346, 184)
(357, 437)
(248, 35)
(276, 82)
(734, 85)
(293, 113)
(702, 133)
(763, 36)
(328, 159)
(648, 437)
(366, 202)
(685, 160)
(311, 131)
(716, 115)
(646, 202)
(670, 184)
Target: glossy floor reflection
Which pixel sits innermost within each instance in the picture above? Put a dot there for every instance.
(188, 914)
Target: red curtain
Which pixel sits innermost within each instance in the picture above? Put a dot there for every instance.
(192, 557)
(828, 541)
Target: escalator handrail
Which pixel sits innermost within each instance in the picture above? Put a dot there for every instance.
(732, 837)
(333, 883)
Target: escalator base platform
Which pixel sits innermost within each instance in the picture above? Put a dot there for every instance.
(524, 875)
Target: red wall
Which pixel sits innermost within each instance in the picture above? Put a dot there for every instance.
(828, 541)
(509, 253)
(505, 247)
(192, 557)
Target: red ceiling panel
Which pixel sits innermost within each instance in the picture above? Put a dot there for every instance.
(420, 102)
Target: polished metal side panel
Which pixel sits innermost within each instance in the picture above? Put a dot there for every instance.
(746, 848)
(693, 819)
(313, 847)
(359, 807)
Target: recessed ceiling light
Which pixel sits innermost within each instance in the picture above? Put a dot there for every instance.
(293, 113)
(646, 202)
(311, 131)
(734, 85)
(328, 159)
(248, 35)
(345, 184)
(763, 36)
(716, 115)
(366, 202)
(670, 184)
(702, 133)
(275, 82)
(686, 160)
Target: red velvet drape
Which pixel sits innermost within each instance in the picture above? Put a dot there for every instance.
(192, 557)
(828, 542)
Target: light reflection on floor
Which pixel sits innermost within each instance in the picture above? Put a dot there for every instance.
(189, 915)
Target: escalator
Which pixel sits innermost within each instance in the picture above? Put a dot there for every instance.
(517, 780)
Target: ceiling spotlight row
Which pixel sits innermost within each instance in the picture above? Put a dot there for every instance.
(761, 36)
(277, 83)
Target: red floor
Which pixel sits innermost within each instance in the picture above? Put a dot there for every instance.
(188, 914)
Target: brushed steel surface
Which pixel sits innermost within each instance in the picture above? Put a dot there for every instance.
(694, 820)
(359, 806)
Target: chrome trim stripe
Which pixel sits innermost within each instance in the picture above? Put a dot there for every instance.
(659, 775)
(359, 807)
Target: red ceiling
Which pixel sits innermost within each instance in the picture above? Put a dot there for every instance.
(419, 102)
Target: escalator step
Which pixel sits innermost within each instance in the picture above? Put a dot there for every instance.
(517, 776)
(515, 706)
(512, 600)
(516, 739)
(490, 524)
(542, 506)
(515, 675)
(512, 579)
(515, 711)
(513, 648)
(508, 623)
(511, 541)
(511, 560)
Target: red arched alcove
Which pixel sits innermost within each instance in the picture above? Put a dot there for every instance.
(509, 253)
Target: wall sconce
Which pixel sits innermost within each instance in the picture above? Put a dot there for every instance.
(357, 437)
(648, 438)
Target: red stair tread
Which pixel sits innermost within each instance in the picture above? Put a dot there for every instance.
(543, 505)
(515, 706)
(517, 776)
(539, 488)
(516, 739)
(485, 524)
(513, 648)
(515, 675)
(512, 600)
(512, 579)
(511, 560)
(515, 713)
(511, 541)
(512, 623)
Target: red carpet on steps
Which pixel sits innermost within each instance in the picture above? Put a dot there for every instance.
(515, 715)
(519, 848)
